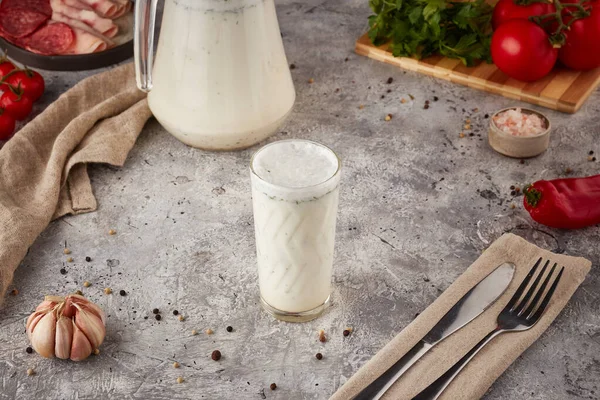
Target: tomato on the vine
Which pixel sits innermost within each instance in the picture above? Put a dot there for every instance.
(506, 10)
(31, 82)
(522, 50)
(7, 125)
(581, 50)
(15, 103)
(5, 67)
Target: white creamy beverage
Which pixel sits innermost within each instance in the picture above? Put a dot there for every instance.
(295, 190)
(221, 80)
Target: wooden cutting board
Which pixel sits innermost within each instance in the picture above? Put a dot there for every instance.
(563, 89)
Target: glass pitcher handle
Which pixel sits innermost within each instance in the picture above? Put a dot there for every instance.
(145, 18)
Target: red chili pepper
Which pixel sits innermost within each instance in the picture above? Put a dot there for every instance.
(571, 203)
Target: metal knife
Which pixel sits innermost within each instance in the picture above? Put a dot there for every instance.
(476, 301)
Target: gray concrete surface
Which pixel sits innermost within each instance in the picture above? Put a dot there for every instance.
(417, 202)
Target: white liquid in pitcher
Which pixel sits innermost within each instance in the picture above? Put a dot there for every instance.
(221, 78)
(295, 188)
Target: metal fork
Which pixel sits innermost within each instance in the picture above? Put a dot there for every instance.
(517, 316)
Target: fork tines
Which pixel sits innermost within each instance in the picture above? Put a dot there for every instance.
(529, 308)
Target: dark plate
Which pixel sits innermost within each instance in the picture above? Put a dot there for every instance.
(72, 62)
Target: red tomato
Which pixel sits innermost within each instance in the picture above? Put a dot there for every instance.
(505, 10)
(7, 125)
(31, 82)
(16, 104)
(522, 50)
(5, 67)
(581, 50)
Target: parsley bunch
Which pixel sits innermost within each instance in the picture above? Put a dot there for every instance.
(420, 28)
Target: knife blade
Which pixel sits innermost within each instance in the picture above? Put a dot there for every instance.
(471, 305)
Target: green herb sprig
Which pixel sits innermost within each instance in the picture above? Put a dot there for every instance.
(420, 28)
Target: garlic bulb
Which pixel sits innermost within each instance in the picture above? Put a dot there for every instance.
(66, 327)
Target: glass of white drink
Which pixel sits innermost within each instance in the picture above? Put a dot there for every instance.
(295, 190)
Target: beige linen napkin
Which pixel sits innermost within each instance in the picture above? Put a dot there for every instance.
(43, 168)
(490, 363)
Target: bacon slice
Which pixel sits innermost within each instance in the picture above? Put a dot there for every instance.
(104, 26)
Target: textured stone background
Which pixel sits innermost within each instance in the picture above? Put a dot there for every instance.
(417, 203)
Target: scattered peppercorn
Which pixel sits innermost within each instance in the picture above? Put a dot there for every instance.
(512, 187)
(194, 332)
(292, 66)
(388, 117)
(389, 90)
(513, 193)
(513, 206)
(181, 318)
(14, 292)
(30, 372)
(522, 161)
(461, 135)
(591, 153)
(311, 80)
(322, 337)
(96, 352)
(467, 126)
(403, 100)
(471, 134)
(29, 350)
(112, 232)
(180, 380)
(426, 101)
(517, 189)
(411, 96)
(319, 356)
(390, 80)
(383, 96)
(155, 311)
(88, 259)
(435, 98)
(79, 292)
(122, 292)
(107, 290)
(66, 251)
(486, 116)
(157, 317)
(63, 271)
(216, 355)
(175, 312)
(346, 332)
(590, 158)
(346, 59)
(360, 107)
(175, 364)
(426, 106)
(229, 329)
(87, 284)
(273, 386)
(568, 171)
(209, 331)
(70, 259)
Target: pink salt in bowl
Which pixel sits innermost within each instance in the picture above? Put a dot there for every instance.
(519, 135)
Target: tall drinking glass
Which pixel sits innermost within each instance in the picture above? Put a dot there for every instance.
(295, 190)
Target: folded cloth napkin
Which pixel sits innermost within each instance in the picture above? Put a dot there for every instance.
(43, 168)
(490, 363)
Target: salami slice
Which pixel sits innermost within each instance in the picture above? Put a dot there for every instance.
(42, 6)
(52, 39)
(20, 22)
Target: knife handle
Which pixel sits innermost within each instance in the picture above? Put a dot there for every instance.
(434, 390)
(379, 386)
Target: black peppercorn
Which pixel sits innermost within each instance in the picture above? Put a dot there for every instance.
(229, 329)
(435, 98)
(63, 271)
(390, 80)
(513, 193)
(122, 292)
(175, 312)
(426, 106)
(591, 153)
(486, 116)
(346, 332)
(88, 259)
(216, 355)
(158, 317)
(155, 311)
(292, 66)
(29, 350)
(319, 356)
(273, 386)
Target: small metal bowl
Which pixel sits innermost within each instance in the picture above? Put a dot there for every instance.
(519, 146)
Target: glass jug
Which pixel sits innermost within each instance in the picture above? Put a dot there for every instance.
(220, 80)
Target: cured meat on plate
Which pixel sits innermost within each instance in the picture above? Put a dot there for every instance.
(60, 27)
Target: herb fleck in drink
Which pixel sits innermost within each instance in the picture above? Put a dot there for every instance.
(295, 190)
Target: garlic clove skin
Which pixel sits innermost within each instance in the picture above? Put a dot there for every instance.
(81, 347)
(64, 337)
(93, 308)
(91, 326)
(42, 335)
(45, 305)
